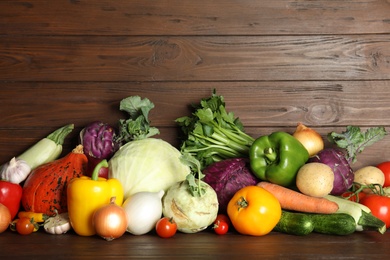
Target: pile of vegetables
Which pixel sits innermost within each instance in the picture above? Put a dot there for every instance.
(125, 180)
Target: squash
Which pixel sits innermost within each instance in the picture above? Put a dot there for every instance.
(44, 190)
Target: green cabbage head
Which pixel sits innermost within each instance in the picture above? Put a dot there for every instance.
(149, 164)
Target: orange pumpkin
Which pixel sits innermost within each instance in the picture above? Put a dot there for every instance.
(44, 190)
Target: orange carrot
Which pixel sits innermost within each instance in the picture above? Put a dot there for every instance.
(296, 201)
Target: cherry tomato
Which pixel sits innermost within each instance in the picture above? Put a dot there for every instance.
(221, 227)
(223, 217)
(385, 168)
(166, 227)
(24, 226)
(351, 197)
(254, 211)
(379, 206)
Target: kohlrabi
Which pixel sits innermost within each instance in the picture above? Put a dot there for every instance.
(192, 203)
(353, 141)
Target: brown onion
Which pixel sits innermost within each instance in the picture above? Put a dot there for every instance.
(310, 139)
(5, 218)
(110, 221)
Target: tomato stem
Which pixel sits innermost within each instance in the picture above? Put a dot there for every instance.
(241, 203)
(357, 188)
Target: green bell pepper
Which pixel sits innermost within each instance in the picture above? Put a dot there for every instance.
(277, 158)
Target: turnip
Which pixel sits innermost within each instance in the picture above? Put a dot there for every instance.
(192, 203)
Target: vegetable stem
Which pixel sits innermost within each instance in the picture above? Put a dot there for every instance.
(242, 203)
(209, 126)
(58, 136)
(95, 173)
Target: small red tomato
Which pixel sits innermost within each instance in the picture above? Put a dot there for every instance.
(379, 206)
(166, 227)
(385, 168)
(24, 226)
(220, 227)
(223, 217)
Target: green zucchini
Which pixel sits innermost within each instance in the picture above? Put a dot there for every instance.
(334, 224)
(295, 223)
(362, 214)
(47, 149)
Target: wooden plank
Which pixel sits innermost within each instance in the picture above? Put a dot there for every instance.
(263, 107)
(202, 17)
(258, 104)
(202, 245)
(214, 58)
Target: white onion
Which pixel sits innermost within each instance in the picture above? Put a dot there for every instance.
(143, 210)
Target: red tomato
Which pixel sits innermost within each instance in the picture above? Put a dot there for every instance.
(351, 197)
(24, 226)
(166, 227)
(379, 206)
(220, 227)
(385, 168)
(223, 217)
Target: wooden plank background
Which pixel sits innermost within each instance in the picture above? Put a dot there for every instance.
(277, 63)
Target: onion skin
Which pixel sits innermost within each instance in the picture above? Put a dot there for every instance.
(143, 210)
(110, 221)
(5, 218)
(310, 139)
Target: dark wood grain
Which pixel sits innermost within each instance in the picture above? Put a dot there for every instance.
(213, 58)
(263, 107)
(167, 17)
(204, 245)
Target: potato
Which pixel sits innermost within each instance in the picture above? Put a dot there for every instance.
(369, 175)
(315, 179)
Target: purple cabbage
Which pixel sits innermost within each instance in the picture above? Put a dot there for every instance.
(227, 177)
(343, 173)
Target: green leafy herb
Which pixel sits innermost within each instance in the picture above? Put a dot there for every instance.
(137, 126)
(354, 140)
(195, 186)
(212, 134)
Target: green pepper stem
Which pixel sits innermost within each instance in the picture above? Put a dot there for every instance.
(95, 173)
(270, 154)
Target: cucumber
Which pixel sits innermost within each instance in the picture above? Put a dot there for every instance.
(302, 224)
(299, 224)
(334, 224)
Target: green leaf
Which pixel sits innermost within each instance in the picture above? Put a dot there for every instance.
(195, 186)
(137, 126)
(205, 115)
(136, 107)
(210, 125)
(354, 140)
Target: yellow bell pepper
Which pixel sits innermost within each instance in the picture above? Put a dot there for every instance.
(86, 194)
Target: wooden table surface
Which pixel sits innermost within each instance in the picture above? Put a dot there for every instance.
(39, 245)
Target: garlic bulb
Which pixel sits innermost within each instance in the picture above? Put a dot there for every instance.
(15, 171)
